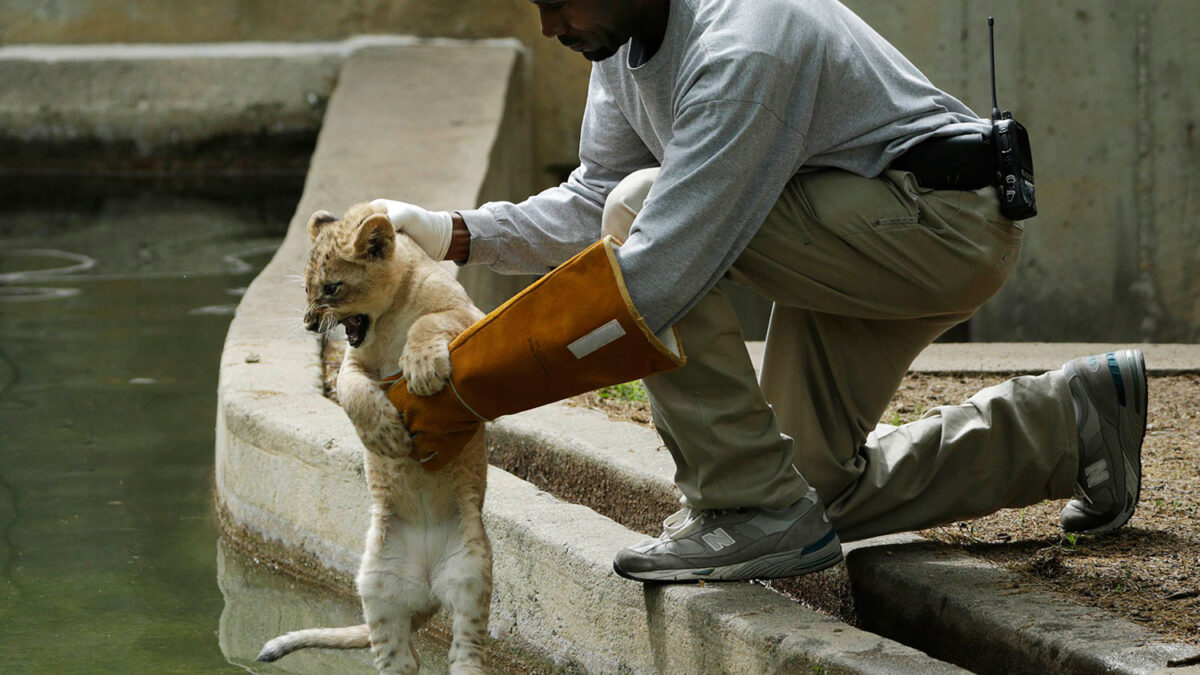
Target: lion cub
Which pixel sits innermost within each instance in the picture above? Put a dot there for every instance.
(426, 546)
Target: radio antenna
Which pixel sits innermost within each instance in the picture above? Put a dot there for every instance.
(992, 53)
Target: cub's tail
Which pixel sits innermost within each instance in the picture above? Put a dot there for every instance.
(350, 637)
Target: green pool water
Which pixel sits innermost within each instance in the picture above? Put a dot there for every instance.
(113, 311)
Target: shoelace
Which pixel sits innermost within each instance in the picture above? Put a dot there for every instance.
(1080, 494)
(678, 521)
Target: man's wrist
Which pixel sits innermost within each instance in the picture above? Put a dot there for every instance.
(460, 240)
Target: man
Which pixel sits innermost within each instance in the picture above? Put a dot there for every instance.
(761, 142)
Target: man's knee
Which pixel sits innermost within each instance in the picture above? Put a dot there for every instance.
(625, 202)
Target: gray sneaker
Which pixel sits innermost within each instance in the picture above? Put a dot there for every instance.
(736, 544)
(1109, 393)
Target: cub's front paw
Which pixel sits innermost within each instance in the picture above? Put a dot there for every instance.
(427, 370)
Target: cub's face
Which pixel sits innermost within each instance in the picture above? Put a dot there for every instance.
(346, 279)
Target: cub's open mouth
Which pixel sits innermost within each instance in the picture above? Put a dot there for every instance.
(356, 328)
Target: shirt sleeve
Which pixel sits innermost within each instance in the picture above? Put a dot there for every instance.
(722, 173)
(538, 234)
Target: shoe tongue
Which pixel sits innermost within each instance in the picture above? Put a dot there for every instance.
(676, 520)
(686, 525)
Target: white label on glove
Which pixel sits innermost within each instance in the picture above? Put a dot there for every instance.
(596, 339)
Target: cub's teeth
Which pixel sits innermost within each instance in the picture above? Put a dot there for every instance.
(356, 327)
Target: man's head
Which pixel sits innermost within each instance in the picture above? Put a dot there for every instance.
(598, 28)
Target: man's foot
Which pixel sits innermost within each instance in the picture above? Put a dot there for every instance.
(736, 544)
(1109, 393)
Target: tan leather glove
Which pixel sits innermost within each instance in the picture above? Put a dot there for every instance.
(572, 331)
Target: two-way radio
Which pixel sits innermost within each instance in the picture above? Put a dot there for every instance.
(1014, 158)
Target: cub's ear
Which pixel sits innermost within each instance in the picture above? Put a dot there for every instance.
(374, 238)
(318, 220)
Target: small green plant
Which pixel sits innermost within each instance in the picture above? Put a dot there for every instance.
(1069, 542)
(894, 420)
(634, 392)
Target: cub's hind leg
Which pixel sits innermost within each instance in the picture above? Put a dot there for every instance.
(463, 582)
(395, 598)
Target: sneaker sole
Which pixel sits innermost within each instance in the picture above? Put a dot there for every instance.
(1137, 377)
(773, 566)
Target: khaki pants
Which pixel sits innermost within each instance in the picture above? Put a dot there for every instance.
(864, 274)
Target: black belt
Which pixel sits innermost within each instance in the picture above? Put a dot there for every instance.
(965, 162)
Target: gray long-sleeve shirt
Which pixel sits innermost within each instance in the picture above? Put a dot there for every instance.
(740, 96)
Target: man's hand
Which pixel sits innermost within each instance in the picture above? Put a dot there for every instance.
(431, 230)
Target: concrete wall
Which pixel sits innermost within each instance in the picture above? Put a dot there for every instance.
(558, 77)
(1106, 88)
(231, 107)
(1108, 91)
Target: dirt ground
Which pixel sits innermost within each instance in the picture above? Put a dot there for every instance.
(1148, 571)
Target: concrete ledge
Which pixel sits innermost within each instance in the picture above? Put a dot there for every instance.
(555, 587)
(1038, 357)
(134, 107)
(620, 470)
(987, 619)
(1032, 357)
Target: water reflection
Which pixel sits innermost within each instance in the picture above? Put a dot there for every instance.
(25, 294)
(107, 408)
(261, 603)
(31, 270)
(107, 402)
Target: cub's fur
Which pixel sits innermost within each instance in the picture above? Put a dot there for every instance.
(426, 546)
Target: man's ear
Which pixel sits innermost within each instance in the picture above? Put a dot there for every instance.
(374, 238)
(318, 220)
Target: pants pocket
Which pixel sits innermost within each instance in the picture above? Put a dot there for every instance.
(847, 205)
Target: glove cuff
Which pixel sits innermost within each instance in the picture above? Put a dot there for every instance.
(431, 230)
(441, 230)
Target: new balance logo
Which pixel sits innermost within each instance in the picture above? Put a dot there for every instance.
(1096, 473)
(717, 539)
